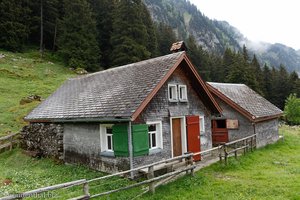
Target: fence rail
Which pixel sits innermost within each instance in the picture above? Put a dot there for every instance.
(8, 141)
(186, 161)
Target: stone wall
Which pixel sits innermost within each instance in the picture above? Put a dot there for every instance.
(160, 109)
(46, 139)
(267, 132)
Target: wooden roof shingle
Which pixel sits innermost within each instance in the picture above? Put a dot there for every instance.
(245, 100)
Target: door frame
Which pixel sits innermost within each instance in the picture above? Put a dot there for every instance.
(183, 134)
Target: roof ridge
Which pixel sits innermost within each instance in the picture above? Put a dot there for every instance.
(218, 83)
(117, 68)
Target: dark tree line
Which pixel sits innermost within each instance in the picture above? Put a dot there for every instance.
(275, 84)
(86, 33)
(94, 34)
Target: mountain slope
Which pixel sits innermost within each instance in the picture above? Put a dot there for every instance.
(215, 36)
(186, 19)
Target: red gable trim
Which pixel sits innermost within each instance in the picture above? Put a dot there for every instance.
(165, 78)
(204, 86)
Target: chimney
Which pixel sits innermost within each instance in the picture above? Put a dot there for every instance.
(178, 46)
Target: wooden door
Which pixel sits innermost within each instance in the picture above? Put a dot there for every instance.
(193, 135)
(176, 131)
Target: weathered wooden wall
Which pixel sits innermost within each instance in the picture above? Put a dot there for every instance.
(160, 109)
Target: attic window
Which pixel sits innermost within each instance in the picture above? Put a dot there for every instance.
(182, 93)
(172, 92)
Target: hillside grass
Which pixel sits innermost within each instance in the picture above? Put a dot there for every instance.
(272, 172)
(22, 75)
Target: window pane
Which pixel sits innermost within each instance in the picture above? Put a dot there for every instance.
(152, 127)
(180, 92)
(109, 142)
(221, 123)
(150, 143)
(108, 130)
(153, 139)
(170, 93)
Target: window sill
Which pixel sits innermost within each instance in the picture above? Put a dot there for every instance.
(154, 151)
(183, 100)
(107, 154)
(173, 100)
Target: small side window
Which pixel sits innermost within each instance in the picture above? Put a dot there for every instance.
(155, 135)
(106, 137)
(172, 93)
(182, 93)
(202, 124)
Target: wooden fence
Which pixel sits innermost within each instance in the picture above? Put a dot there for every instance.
(178, 165)
(8, 142)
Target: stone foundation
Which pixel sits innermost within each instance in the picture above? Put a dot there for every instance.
(46, 139)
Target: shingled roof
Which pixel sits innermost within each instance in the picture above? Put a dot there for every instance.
(117, 93)
(245, 100)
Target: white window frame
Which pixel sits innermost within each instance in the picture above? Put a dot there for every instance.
(103, 138)
(172, 88)
(158, 135)
(202, 124)
(183, 97)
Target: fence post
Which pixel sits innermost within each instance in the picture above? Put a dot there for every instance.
(245, 146)
(225, 154)
(251, 144)
(86, 189)
(150, 176)
(191, 162)
(220, 153)
(235, 151)
(11, 143)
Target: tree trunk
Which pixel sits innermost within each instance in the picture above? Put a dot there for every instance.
(42, 31)
(54, 38)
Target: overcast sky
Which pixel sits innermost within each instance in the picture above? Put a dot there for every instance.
(273, 21)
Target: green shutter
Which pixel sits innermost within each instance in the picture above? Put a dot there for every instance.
(140, 139)
(120, 139)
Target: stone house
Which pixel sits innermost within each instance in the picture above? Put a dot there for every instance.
(126, 117)
(244, 112)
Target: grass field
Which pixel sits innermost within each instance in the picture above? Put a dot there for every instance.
(269, 173)
(22, 75)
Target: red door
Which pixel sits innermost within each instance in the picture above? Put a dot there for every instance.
(193, 135)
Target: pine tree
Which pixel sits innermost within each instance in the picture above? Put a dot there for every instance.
(14, 29)
(103, 11)
(267, 82)
(258, 76)
(165, 38)
(228, 62)
(295, 83)
(44, 18)
(77, 40)
(129, 37)
(199, 58)
(246, 54)
(152, 44)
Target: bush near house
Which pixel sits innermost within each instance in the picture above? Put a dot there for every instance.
(292, 110)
